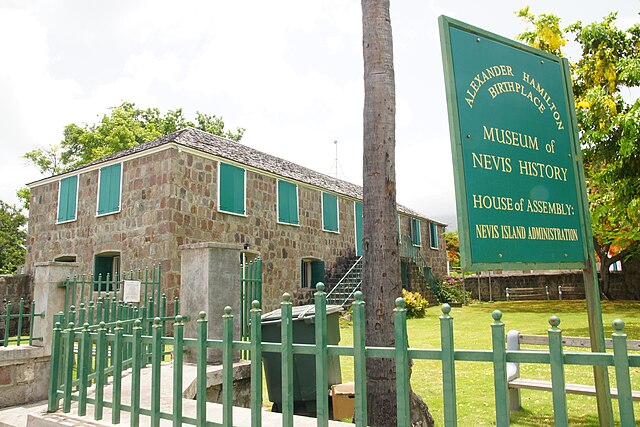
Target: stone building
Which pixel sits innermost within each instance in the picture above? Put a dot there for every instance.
(137, 207)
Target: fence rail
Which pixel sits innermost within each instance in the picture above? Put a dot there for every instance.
(19, 319)
(72, 386)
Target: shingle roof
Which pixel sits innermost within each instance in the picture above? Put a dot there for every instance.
(231, 150)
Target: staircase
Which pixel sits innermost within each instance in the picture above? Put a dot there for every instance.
(342, 292)
(412, 254)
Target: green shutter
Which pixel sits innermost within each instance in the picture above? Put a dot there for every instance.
(109, 191)
(67, 198)
(433, 235)
(287, 202)
(231, 188)
(415, 232)
(358, 215)
(303, 274)
(329, 212)
(317, 273)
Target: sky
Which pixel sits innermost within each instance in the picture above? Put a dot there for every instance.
(288, 71)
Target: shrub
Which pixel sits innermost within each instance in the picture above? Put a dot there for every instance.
(451, 290)
(415, 304)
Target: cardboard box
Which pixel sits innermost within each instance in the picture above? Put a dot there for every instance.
(343, 397)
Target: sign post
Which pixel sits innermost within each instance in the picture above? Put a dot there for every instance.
(520, 190)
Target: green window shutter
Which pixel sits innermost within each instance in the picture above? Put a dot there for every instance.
(433, 234)
(287, 202)
(231, 188)
(415, 232)
(329, 212)
(109, 191)
(317, 273)
(303, 274)
(67, 199)
(403, 274)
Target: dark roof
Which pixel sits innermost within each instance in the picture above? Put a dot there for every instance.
(231, 150)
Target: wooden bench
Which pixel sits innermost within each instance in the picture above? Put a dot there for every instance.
(566, 292)
(519, 294)
(515, 383)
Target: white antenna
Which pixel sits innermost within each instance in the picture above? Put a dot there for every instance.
(336, 164)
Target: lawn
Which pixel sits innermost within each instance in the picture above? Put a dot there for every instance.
(474, 380)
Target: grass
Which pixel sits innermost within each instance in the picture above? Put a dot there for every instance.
(474, 380)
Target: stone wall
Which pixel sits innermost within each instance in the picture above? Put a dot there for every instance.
(169, 198)
(12, 288)
(479, 285)
(24, 375)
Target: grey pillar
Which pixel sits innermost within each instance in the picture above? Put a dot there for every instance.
(210, 281)
(49, 297)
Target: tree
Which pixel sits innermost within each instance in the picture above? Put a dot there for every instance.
(125, 126)
(609, 125)
(453, 248)
(12, 238)
(381, 262)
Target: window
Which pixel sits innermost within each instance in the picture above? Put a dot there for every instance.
(329, 212)
(433, 234)
(312, 272)
(287, 202)
(231, 189)
(416, 240)
(67, 199)
(109, 189)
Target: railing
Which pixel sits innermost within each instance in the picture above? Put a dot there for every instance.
(82, 289)
(407, 250)
(347, 285)
(497, 358)
(18, 319)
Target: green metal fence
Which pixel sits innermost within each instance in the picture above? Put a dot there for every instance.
(250, 290)
(22, 324)
(85, 288)
(74, 388)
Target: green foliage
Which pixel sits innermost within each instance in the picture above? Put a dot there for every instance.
(546, 33)
(12, 238)
(451, 290)
(415, 304)
(607, 72)
(24, 195)
(125, 126)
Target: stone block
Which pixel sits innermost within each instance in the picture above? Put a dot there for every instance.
(5, 375)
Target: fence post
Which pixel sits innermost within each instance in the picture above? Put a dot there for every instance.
(402, 362)
(178, 355)
(101, 362)
(256, 364)
(116, 399)
(287, 360)
(56, 356)
(136, 365)
(227, 367)
(557, 373)
(68, 368)
(322, 356)
(500, 369)
(201, 370)
(359, 360)
(156, 361)
(83, 352)
(448, 367)
(623, 379)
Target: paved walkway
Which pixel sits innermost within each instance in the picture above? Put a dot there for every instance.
(36, 415)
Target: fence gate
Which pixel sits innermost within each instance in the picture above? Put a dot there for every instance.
(250, 290)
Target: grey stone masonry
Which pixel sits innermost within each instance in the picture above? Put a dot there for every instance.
(210, 282)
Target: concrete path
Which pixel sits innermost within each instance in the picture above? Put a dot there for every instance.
(36, 415)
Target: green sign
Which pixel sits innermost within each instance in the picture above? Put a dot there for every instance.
(517, 166)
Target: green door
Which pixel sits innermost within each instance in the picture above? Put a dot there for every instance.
(358, 215)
